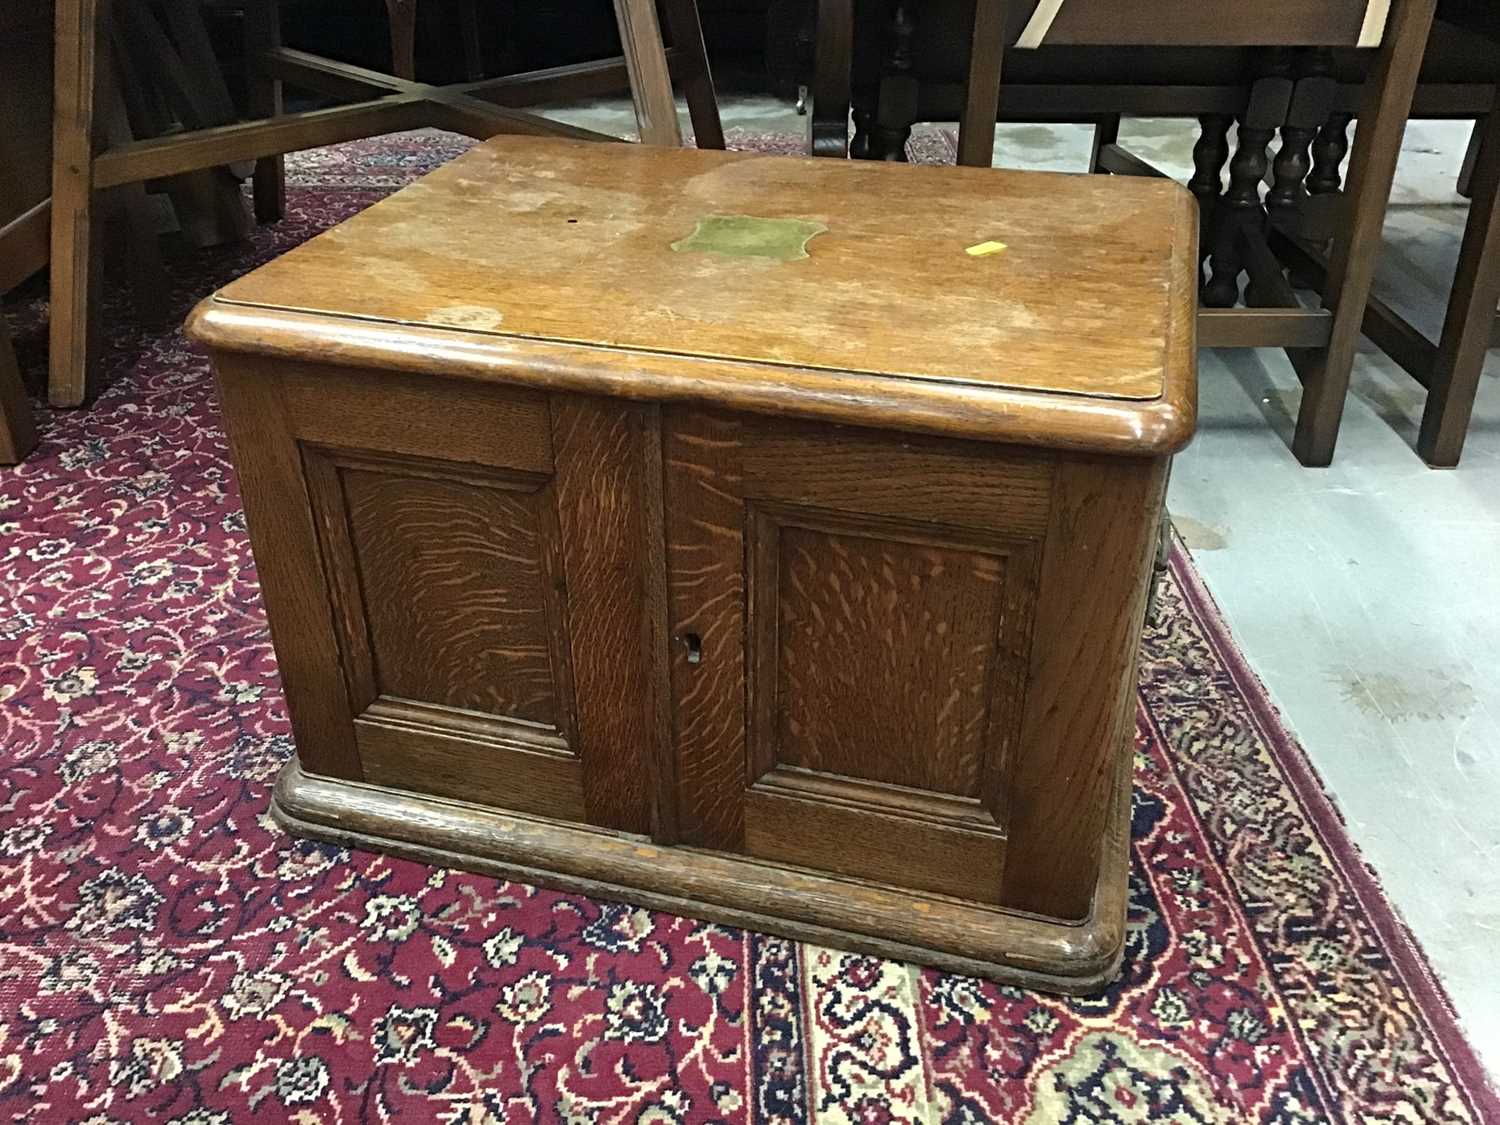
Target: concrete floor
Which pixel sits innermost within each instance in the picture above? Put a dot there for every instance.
(1366, 595)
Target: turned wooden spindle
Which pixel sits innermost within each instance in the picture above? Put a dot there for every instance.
(1270, 99)
(1312, 100)
(898, 92)
(1240, 205)
(1289, 168)
(1328, 153)
(1210, 154)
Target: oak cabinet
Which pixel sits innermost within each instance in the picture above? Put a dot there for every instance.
(844, 649)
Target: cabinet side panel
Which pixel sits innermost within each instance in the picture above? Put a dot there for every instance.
(1096, 561)
(285, 544)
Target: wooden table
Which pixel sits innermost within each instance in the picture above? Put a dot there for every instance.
(92, 148)
(760, 539)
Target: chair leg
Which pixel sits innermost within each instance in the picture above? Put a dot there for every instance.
(17, 426)
(75, 258)
(976, 129)
(262, 33)
(1471, 314)
(650, 79)
(1106, 133)
(828, 120)
(1465, 186)
(1356, 247)
(686, 30)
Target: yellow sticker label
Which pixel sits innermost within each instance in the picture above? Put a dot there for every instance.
(984, 249)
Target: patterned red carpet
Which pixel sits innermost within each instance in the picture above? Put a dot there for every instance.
(168, 955)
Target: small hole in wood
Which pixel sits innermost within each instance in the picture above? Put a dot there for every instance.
(572, 220)
(694, 645)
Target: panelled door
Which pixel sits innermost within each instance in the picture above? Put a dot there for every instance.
(479, 551)
(851, 614)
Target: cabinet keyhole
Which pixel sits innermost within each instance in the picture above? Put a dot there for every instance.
(694, 645)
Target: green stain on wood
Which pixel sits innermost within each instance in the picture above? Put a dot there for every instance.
(745, 236)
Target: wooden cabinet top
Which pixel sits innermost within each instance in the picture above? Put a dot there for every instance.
(1056, 309)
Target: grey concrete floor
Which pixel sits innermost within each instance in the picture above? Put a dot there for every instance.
(1366, 595)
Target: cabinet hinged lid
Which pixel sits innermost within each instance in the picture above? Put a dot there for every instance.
(854, 277)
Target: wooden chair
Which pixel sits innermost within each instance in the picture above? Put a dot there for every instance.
(1450, 368)
(86, 161)
(1277, 82)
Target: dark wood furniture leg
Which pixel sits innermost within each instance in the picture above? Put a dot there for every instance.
(17, 426)
(828, 121)
(263, 33)
(1241, 207)
(468, 18)
(1312, 101)
(1465, 186)
(1106, 133)
(697, 80)
(976, 129)
(403, 16)
(1470, 322)
(1328, 153)
(896, 103)
(74, 328)
(1210, 154)
(1356, 245)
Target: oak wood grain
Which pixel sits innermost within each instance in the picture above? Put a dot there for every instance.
(1060, 422)
(879, 656)
(854, 840)
(285, 543)
(604, 546)
(417, 417)
(706, 598)
(455, 591)
(433, 750)
(1073, 306)
(885, 654)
